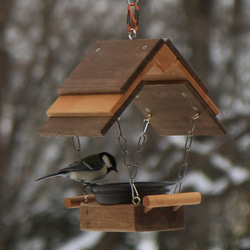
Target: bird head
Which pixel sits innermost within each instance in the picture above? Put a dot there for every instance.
(109, 161)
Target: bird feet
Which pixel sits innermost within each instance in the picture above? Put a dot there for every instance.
(86, 191)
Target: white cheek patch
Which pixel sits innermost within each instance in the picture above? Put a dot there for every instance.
(106, 160)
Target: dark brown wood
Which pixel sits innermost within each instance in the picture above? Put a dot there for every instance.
(186, 65)
(159, 219)
(111, 66)
(172, 104)
(89, 125)
(72, 126)
(171, 113)
(174, 67)
(164, 58)
(129, 218)
(116, 71)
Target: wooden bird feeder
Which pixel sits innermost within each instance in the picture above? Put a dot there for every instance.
(154, 75)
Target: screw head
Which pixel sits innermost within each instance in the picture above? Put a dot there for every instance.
(145, 46)
(184, 94)
(97, 50)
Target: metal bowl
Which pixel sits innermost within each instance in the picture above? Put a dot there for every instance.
(120, 193)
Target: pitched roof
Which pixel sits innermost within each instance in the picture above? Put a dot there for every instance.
(110, 76)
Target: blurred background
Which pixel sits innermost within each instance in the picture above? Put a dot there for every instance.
(42, 42)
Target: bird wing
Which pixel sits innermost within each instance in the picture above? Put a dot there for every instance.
(82, 166)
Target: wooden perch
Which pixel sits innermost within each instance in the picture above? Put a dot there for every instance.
(74, 202)
(171, 200)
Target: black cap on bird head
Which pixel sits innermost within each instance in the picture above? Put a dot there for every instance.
(109, 161)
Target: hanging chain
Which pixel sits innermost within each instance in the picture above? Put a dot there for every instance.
(141, 144)
(133, 166)
(77, 146)
(132, 18)
(187, 148)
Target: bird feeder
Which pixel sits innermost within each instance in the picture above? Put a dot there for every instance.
(154, 75)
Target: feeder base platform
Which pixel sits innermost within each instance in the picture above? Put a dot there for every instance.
(129, 218)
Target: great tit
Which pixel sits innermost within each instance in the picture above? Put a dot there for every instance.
(89, 169)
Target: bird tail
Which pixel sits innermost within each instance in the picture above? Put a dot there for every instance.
(48, 176)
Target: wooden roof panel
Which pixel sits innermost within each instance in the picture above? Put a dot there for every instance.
(172, 104)
(72, 126)
(113, 72)
(110, 66)
(85, 105)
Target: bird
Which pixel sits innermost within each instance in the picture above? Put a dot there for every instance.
(88, 169)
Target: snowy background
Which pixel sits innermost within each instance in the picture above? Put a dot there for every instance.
(42, 42)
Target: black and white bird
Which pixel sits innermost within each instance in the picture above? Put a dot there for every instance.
(88, 169)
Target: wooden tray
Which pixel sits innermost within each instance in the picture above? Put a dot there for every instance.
(156, 213)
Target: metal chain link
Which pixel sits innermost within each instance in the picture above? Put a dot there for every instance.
(77, 146)
(123, 145)
(133, 166)
(187, 148)
(140, 145)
